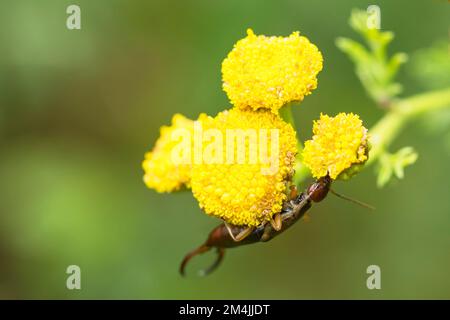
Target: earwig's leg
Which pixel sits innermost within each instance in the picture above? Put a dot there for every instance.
(230, 232)
(199, 250)
(244, 233)
(241, 235)
(220, 254)
(287, 205)
(295, 207)
(276, 222)
(294, 192)
(266, 235)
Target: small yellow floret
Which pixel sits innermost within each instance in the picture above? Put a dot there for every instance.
(268, 72)
(242, 193)
(161, 173)
(338, 143)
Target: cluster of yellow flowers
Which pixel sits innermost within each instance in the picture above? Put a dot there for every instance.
(161, 173)
(338, 143)
(260, 75)
(240, 193)
(268, 72)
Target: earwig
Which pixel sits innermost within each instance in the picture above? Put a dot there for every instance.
(222, 236)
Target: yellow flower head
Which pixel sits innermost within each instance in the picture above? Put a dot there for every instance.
(338, 143)
(268, 72)
(161, 172)
(248, 187)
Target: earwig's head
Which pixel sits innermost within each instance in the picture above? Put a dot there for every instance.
(319, 189)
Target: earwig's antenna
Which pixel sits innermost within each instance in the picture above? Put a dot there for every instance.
(362, 204)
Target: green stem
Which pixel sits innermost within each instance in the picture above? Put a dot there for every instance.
(388, 128)
(301, 171)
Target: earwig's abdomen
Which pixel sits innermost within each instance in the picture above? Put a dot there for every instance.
(220, 237)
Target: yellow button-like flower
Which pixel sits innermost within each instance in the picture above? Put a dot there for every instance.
(268, 72)
(337, 144)
(162, 173)
(243, 181)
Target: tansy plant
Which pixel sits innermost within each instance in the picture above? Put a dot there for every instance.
(240, 163)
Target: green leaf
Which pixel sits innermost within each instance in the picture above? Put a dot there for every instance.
(356, 51)
(374, 69)
(395, 164)
(384, 173)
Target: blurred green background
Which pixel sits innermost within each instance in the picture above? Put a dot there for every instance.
(78, 109)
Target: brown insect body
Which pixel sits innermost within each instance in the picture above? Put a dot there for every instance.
(319, 190)
(292, 211)
(220, 236)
